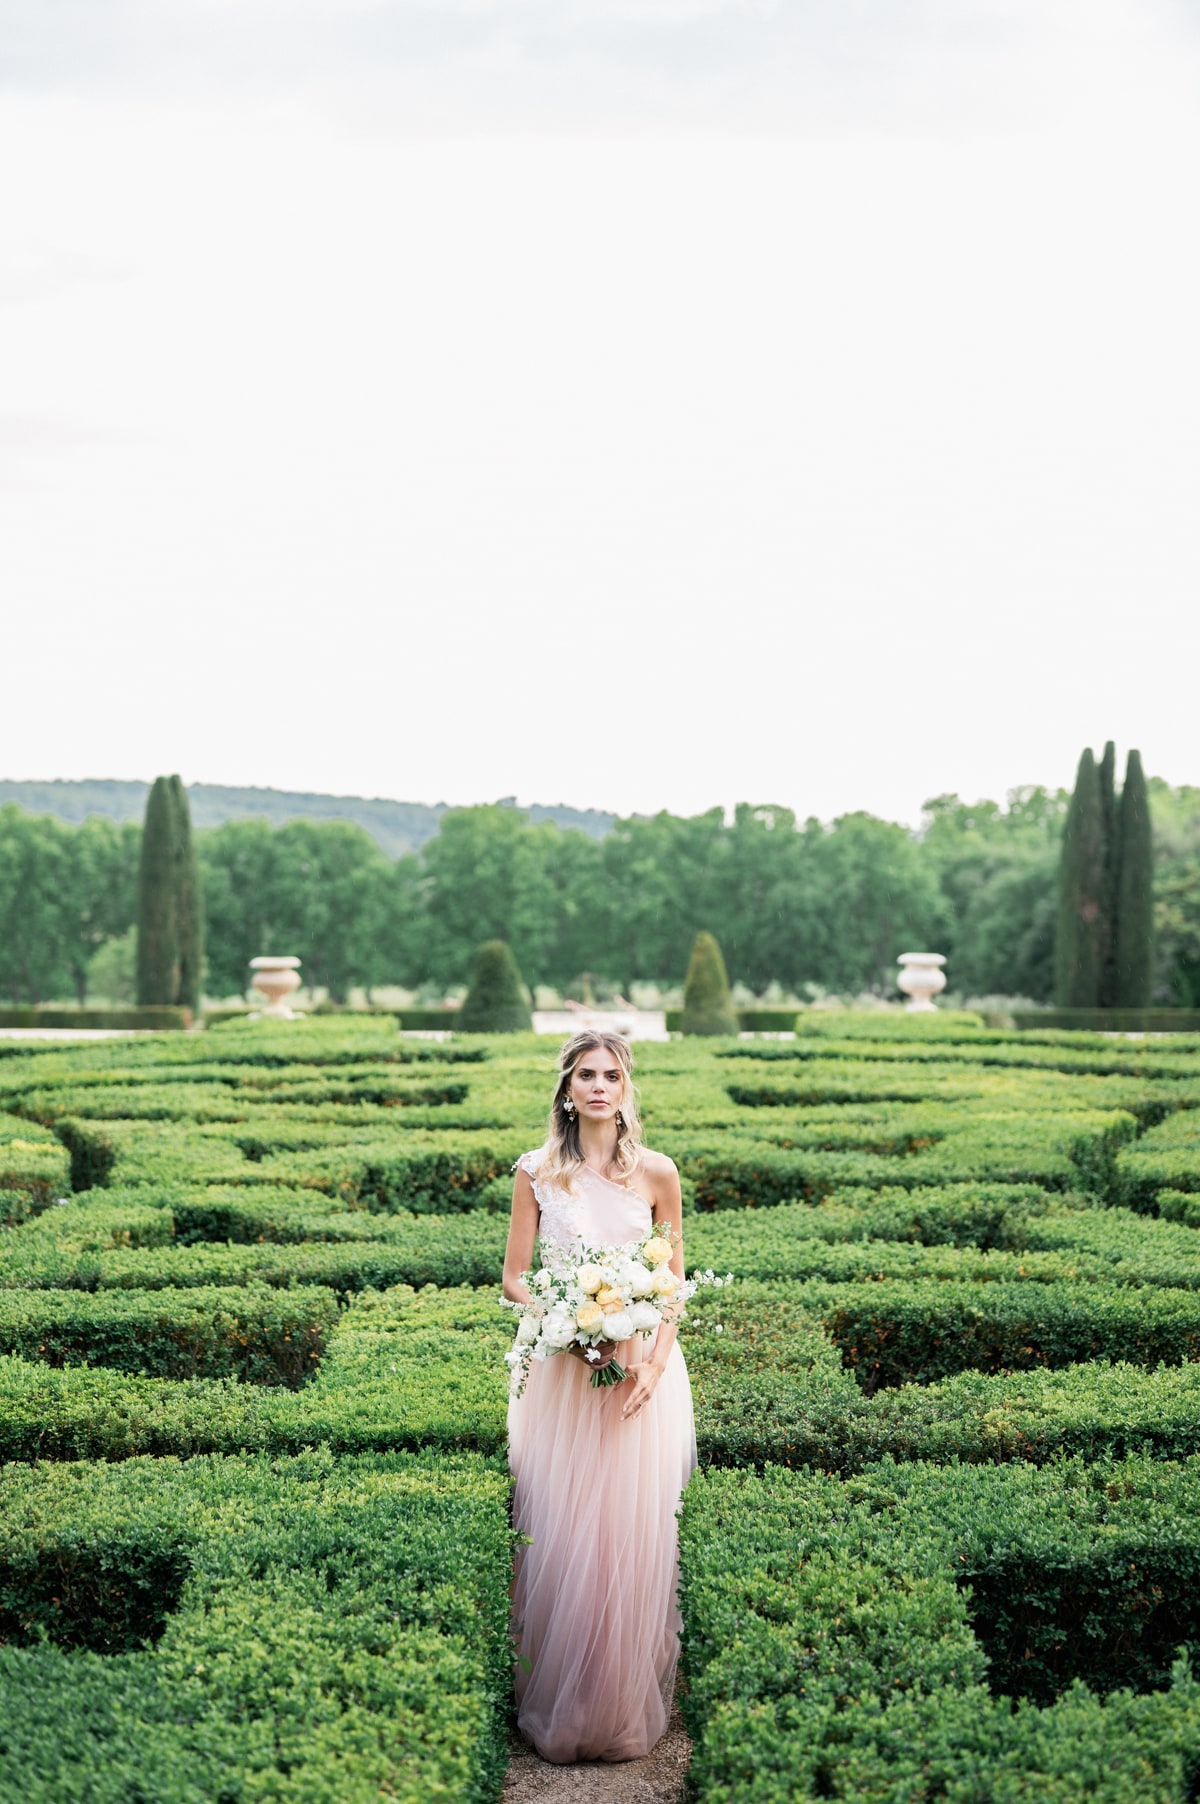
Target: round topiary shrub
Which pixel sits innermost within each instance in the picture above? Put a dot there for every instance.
(707, 1008)
(495, 1002)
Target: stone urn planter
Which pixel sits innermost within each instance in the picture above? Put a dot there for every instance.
(921, 978)
(276, 978)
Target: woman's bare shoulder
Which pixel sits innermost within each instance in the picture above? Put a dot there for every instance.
(656, 1166)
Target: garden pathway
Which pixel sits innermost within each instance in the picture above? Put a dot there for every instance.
(68, 1033)
(659, 1778)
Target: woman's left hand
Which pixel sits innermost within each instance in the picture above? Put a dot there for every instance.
(643, 1378)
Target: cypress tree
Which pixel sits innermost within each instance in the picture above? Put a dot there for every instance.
(1134, 937)
(1079, 935)
(1108, 912)
(707, 1008)
(158, 904)
(189, 901)
(495, 1002)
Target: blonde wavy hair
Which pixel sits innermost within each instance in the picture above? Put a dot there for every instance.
(562, 1156)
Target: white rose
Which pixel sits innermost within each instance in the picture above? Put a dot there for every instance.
(542, 1279)
(645, 1318)
(528, 1329)
(640, 1281)
(589, 1278)
(618, 1325)
(558, 1330)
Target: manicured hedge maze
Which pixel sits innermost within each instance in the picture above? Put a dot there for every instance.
(252, 1411)
(312, 1628)
(939, 1632)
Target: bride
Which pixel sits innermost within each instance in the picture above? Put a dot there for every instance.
(598, 1472)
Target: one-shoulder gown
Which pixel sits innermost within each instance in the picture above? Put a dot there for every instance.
(595, 1615)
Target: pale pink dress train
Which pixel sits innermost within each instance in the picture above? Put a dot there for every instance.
(595, 1614)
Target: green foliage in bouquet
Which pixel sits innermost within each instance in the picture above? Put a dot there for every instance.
(495, 1002)
(707, 1008)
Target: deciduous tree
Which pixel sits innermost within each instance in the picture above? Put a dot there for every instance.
(33, 863)
(99, 889)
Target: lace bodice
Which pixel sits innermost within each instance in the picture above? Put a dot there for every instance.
(597, 1212)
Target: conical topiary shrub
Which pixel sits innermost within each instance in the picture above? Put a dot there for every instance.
(1104, 938)
(158, 903)
(1079, 939)
(1134, 933)
(189, 901)
(170, 921)
(495, 1002)
(1107, 771)
(707, 1008)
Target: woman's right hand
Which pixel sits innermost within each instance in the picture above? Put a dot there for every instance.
(606, 1350)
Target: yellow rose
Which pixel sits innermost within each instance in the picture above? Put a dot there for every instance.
(590, 1277)
(663, 1282)
(589, 1318)
(608, 1297)
(656, 1251)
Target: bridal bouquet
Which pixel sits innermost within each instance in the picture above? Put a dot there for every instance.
(603, 1293)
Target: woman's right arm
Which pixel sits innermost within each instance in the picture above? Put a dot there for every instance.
(522, 1232)
(518, 1257)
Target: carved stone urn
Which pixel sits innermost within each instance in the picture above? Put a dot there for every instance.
(921, 978)
(276, 978)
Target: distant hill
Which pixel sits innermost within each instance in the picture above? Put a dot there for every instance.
(395, 826)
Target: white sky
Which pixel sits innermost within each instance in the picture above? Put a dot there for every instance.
(632, 403)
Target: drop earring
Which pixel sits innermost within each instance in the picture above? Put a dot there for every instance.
(620, 1120)
(569, 1106)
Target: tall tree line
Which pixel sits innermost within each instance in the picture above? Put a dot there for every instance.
(791, 902)
(64, 892)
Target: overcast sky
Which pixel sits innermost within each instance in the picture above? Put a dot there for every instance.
(632, 403)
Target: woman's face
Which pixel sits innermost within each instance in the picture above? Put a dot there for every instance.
(597, 1084)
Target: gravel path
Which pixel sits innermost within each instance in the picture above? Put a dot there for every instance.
(658, 1778)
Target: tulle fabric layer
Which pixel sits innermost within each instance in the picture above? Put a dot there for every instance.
(594, 1596)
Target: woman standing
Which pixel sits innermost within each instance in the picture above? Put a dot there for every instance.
(598, 1471)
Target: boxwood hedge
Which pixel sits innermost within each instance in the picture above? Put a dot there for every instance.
(249, 1630)
(964, 1254)
(920, 1633)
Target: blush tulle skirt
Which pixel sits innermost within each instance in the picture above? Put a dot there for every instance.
(595, 1616)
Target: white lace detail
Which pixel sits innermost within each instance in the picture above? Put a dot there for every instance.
(549, 1196)
(560, 1210)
